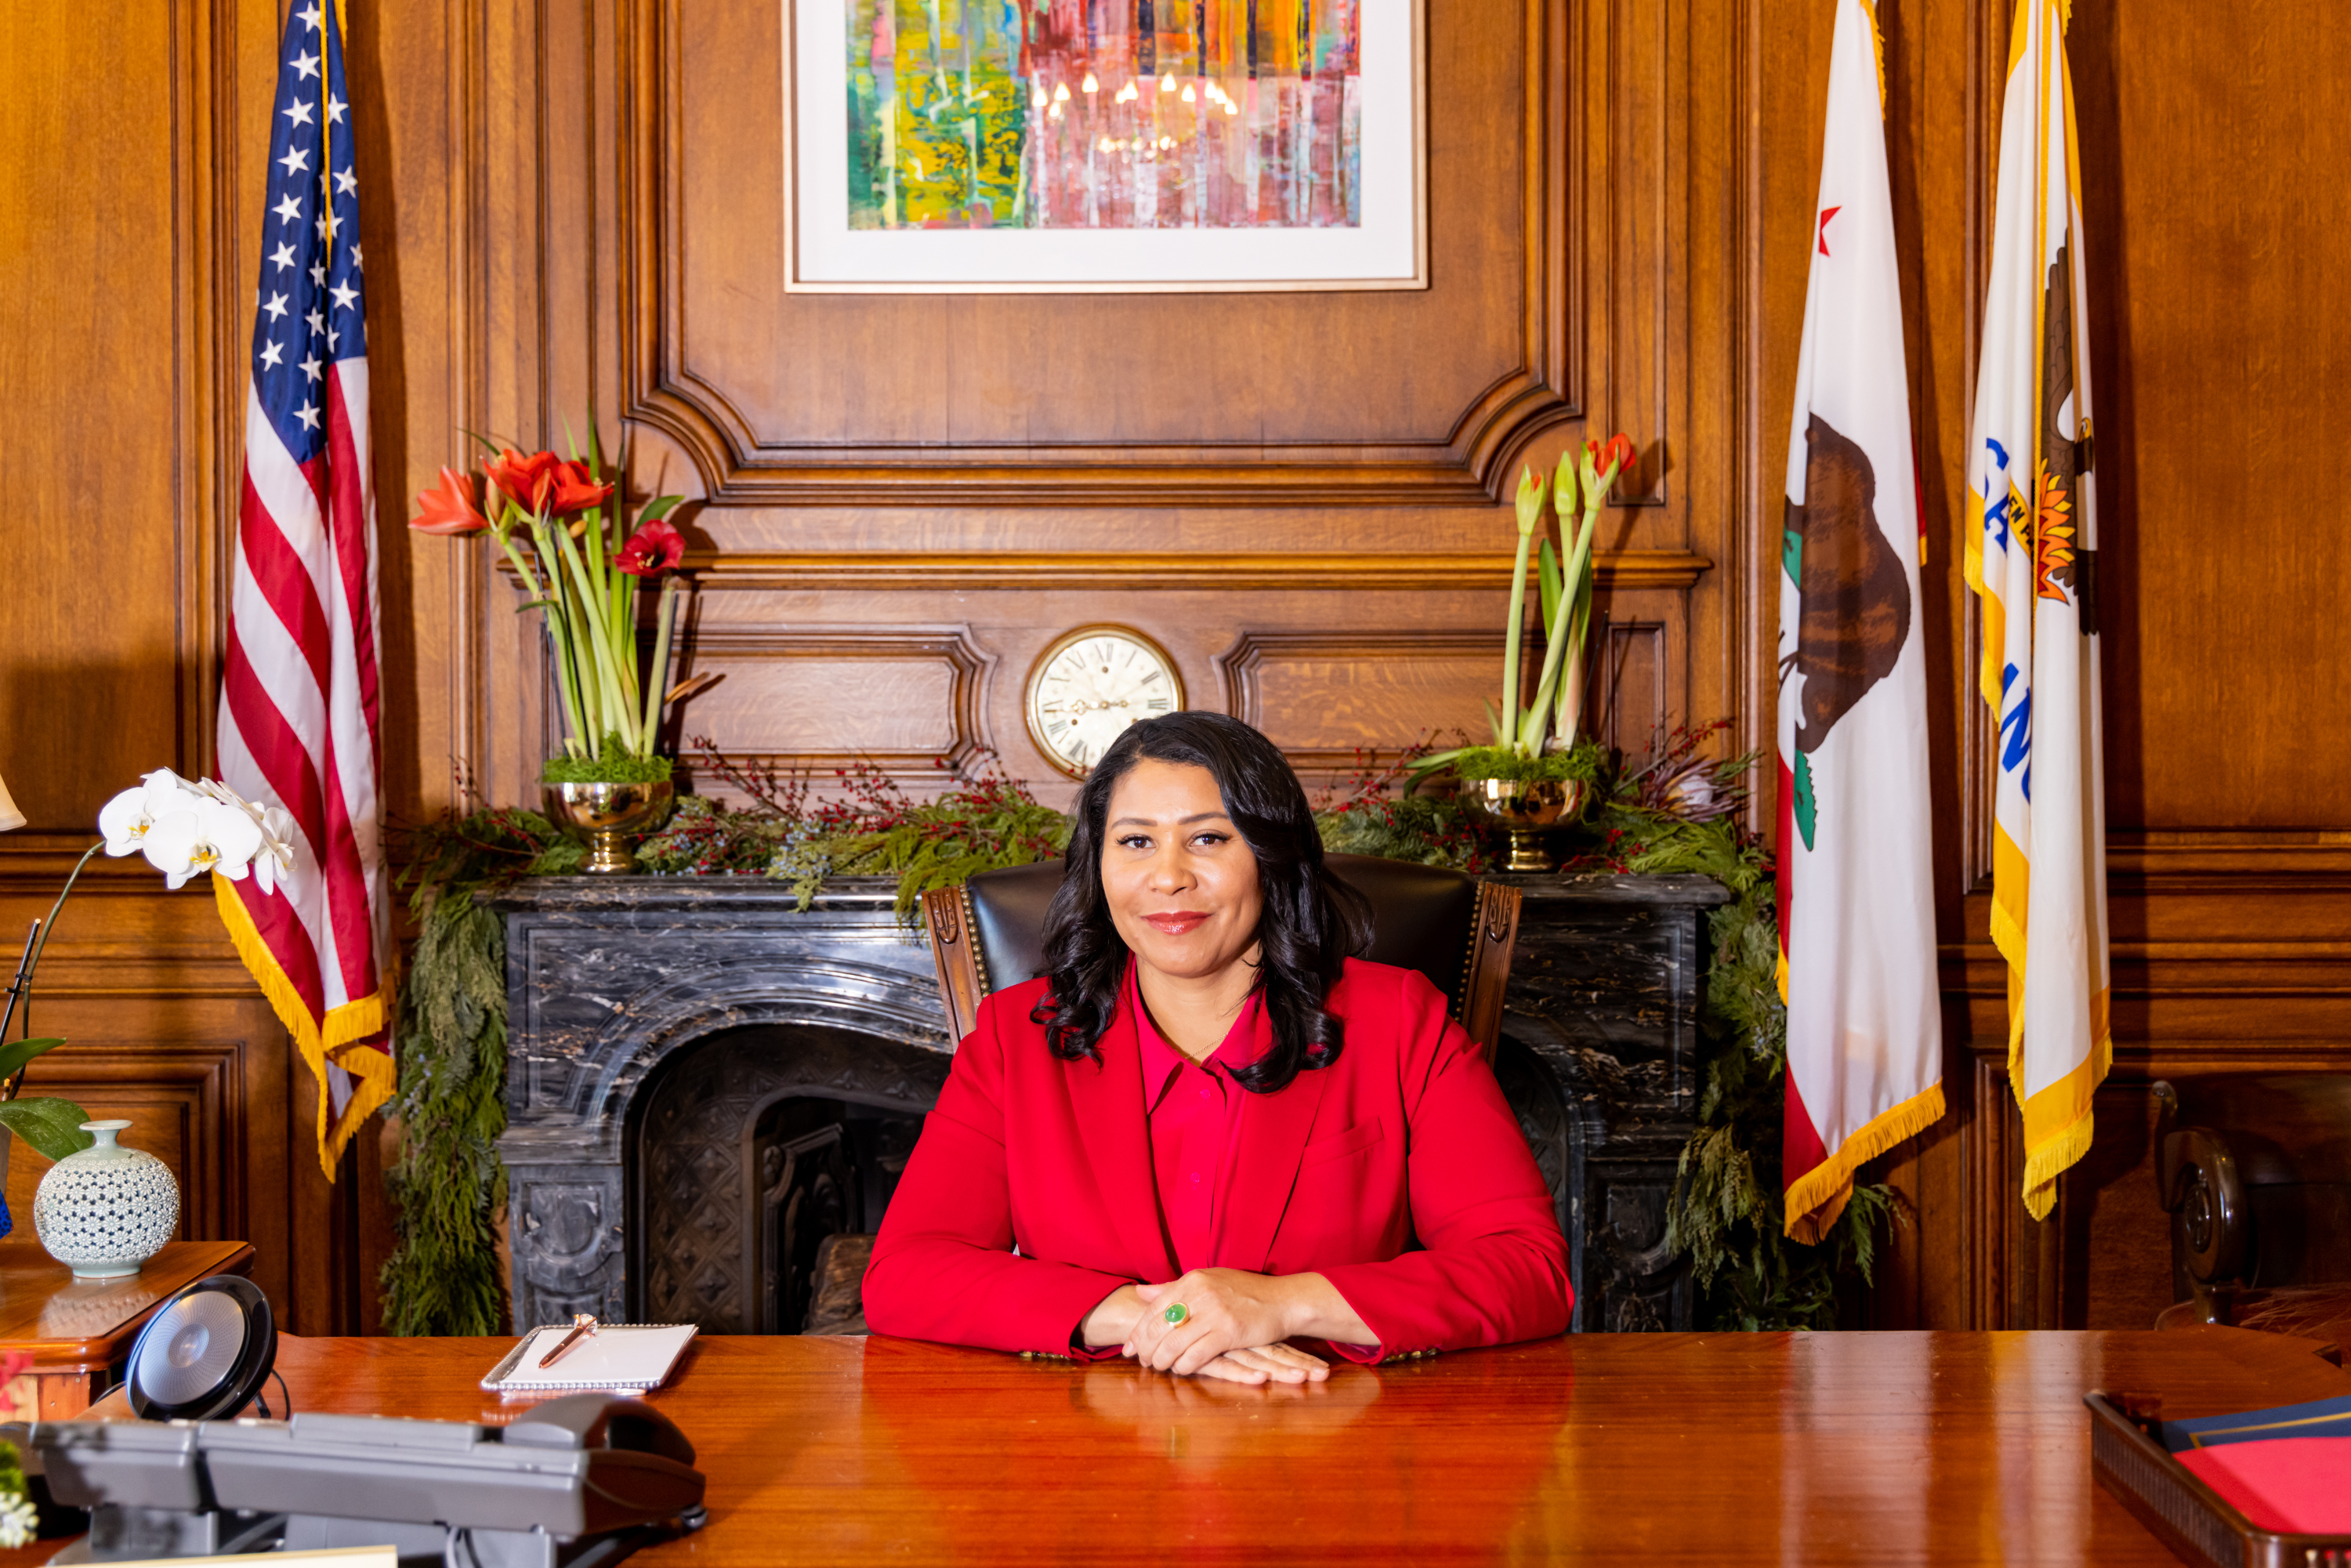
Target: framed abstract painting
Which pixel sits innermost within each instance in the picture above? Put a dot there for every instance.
(1002, 146)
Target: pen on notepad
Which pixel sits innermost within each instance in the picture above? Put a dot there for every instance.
(582, 1326)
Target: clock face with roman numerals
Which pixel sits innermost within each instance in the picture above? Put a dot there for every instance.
(1091, 684)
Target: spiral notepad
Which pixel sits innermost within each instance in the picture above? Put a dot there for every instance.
(617, 1355)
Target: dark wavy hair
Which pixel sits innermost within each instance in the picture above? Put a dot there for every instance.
(1311, 923)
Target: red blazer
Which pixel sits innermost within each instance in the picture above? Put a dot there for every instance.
(1399, 1172)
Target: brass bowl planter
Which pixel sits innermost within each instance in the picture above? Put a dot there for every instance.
(608, 814)
(1524, 807)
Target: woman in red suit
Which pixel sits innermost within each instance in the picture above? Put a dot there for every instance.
(1207, 1131)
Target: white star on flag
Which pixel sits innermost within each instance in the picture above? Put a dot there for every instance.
(277, 307)
(282, 258)
(309, 414)
(334, 111)
(289, 209)
(307, 66)
(345, 296)
(355, 255)
(298, 111)
(272, 356)
(297, 159)
(346, 182)
(312, 16)
(311, 369)
(317, 320)
(318, 275)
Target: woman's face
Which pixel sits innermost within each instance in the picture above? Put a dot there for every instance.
(1180, 880)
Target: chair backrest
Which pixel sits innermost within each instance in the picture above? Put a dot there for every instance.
(1459, 931)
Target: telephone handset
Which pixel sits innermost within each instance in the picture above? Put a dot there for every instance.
(577, 1482)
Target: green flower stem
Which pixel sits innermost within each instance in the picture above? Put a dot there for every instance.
(613, 717)
(660, 682)
(1579, 565)
(1514, 628)
(552, 600)
(568, 678)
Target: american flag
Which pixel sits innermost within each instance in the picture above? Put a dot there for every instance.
(299, 700)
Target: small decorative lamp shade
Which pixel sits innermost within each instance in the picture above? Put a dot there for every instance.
(9, 816)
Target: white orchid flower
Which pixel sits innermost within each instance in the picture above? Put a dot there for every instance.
(276, 824)
(127, 819)
(277, 857)
(206, 835)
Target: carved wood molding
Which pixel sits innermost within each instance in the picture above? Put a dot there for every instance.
(1466, 463)
(935, 571)
(1241, 666)
(969, 666)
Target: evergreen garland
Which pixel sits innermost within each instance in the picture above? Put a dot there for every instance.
(448, 1185)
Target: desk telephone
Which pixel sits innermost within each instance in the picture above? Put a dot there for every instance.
(577, 1482)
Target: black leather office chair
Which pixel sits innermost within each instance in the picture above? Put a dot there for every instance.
(1459, 931)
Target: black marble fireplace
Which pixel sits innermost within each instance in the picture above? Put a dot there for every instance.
(705, 1081)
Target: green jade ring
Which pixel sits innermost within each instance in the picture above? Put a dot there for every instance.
(1176, 1313)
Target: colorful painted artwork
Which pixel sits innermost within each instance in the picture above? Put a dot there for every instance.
(1104, 114)
(945, 146)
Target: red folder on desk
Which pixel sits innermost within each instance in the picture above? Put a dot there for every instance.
(2299, 1485)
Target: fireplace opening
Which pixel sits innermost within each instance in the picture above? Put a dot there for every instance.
(826, 1171)
(762, 1159)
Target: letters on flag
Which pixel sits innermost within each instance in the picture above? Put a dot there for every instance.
(1855, 881)
(2031, 543)
(297, 713)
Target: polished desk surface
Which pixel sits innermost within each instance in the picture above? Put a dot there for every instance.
(1814, 1448)
(86, 1326)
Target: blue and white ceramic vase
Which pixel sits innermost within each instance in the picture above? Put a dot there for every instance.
(106, 1210)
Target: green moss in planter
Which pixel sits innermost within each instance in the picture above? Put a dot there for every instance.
(1585, 760)
(614, 767)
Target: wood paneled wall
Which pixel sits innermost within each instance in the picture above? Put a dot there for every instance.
(898, 503)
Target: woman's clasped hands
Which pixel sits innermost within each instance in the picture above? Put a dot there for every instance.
(1232, 1325)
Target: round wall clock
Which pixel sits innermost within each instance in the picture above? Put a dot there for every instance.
(1091, 684)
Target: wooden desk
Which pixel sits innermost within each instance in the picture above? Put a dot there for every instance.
(1813, 1448)
(77, 1330)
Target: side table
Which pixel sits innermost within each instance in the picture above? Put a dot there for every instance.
(79, 1330)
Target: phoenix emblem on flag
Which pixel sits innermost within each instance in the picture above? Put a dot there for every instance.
(2054, 559)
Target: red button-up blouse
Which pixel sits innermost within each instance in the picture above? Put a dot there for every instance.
(1192, 1108)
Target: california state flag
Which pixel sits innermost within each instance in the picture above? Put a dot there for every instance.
(2031, 549)
(1856, 894)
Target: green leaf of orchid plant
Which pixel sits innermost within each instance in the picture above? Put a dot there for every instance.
(52, 1126)
(13, 1058)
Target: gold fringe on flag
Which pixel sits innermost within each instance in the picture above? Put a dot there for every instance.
(373, 1075)
(1818, 1197)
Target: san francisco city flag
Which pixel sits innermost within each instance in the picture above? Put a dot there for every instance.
(298, 686)
(1855, 884)
(2030, 548)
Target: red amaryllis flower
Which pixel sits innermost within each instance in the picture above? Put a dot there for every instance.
(652, 550)
(448, 507)
(1614, 456)
(572, 487)
(527, 481)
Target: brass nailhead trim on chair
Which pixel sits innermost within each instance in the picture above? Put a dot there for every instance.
(978, 953)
